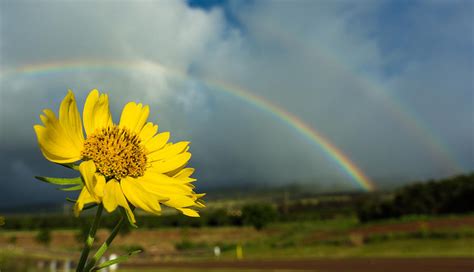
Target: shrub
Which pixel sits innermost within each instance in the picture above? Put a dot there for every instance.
(448, 196)
(258, 215)
(44, 236)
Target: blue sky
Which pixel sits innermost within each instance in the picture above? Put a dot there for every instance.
(387, 82)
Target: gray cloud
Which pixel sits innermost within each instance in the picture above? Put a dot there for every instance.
(336, 65)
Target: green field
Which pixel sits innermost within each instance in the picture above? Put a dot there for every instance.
(292, 229)
(336, 238)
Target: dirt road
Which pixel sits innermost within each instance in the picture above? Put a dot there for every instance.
(330, 265)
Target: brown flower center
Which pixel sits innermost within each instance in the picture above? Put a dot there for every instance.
(116, 152)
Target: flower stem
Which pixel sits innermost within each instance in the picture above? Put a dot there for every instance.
(90, 239)
(92, 262)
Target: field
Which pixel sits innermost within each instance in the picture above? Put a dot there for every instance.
(430, 243)
(419, 227)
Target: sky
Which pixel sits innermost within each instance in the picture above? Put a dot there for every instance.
(336, 94)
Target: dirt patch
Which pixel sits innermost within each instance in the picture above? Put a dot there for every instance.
(156, 242)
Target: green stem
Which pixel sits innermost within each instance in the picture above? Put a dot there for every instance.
(90, 239)
(92, 262)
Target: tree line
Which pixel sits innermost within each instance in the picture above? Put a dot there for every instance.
(255, 214)
(447, 196)
(453, 195)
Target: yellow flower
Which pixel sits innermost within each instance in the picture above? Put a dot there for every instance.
(121, 164)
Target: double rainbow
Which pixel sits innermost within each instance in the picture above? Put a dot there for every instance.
(310, 133)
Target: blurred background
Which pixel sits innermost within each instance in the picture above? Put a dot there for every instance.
(328, 135)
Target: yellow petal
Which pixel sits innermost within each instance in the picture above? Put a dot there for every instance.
(70, 120)
(112, 193)
(139, 197)
(130, 215)
(168, 151)
(88, 169)
(95, 182)
(165, 166)
(134, 116)
(200, 203)
(161, 184)
(185, 173)
(99, 185)
(84, 198)
(113, 197)
(177, 194)
(55, 144)
(96, 112)
(179, 201)
(148, 131)
(189, 212)
(156, 143)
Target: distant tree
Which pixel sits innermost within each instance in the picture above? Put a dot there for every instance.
(217, 218)
(258, 215)
(448, 196)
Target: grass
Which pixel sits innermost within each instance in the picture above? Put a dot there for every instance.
(417, 218)
(396, 248)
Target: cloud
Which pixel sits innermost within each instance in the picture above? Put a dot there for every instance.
(338, 66)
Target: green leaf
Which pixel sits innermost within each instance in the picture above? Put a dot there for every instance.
(70, 200)
(115, 261)
(60, 181)
(72, 188)
(70, 165)
(90, 206)
(86, 207)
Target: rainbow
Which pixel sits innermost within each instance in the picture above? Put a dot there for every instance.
(311, 134)
(304, 129)
(382, 95)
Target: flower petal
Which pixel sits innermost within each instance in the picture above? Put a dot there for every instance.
(189, 212)
(180, 201)
(148, 131)
(96, 112)
(139, 197)
(130, 215)
(134, 116)
(178, 195)
(71, 120)
(176, 162)
(156, 143)
(111, 192)
(87, 169)
(113, 197)
(185, 175)
(161, 184)
(99, 185)
(95, 182)
(55, 143)
(84, 198)
(168, 151)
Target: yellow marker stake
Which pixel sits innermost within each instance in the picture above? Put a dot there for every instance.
(239, 252)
